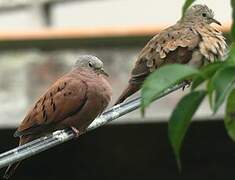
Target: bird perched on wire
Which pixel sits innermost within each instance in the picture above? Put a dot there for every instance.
(74, 100)
(192, 40)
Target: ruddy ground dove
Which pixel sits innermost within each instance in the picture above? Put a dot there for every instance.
(192, 40)
(74, 100)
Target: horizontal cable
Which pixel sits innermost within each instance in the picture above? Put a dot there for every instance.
(58, 137)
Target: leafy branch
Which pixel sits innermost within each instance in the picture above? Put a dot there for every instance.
(219, 78)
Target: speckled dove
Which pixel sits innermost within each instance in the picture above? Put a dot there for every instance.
(74, 100)
(192, 40)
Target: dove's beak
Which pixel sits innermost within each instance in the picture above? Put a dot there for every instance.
(101, 71)
(215, 21)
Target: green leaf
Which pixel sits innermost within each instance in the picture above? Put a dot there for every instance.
(210, 90)
(231, 58)
(206, 72)
(233, 25)
(186, 5)
(162, 79)
(229, 119)
(180, 120)
(220, 86)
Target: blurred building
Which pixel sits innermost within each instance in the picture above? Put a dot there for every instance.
(39, 41)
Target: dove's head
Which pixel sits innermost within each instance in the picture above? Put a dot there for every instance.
(200, 13)
(90, 62)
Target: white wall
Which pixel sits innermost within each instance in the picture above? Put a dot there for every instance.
(128, 12)
(106, 13)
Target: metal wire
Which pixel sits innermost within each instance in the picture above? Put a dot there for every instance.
(61, 136)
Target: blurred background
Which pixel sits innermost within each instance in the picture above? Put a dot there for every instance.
(39, 42)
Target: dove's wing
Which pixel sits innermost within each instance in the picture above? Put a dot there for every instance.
(173, 45)
(66, 97)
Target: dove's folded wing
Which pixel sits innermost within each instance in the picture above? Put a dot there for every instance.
(65, 98)
(173, 45)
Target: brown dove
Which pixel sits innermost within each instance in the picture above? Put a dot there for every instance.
(74, 100)
(192, 40)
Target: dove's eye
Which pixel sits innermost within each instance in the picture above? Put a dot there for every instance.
(90, 64)
(204, 14)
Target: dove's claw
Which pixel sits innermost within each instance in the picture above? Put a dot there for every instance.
(187, 84)
(76, 131)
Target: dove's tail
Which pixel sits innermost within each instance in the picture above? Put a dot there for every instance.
(12, 167)
(11, 170)
(131, 89)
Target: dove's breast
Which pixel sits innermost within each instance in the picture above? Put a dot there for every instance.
(100, 91)
(213, 43)
(97, 98)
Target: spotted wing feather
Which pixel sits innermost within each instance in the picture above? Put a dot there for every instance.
(173, 45)
(65, 98)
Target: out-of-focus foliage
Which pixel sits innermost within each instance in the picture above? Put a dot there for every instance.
(220, 80)
(229, 119)
(186, 5)
(233, 25)
(220, 85)
(206, 71)
(181, 117)
(165, 77)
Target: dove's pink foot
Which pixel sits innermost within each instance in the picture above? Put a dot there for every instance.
(76, 131)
